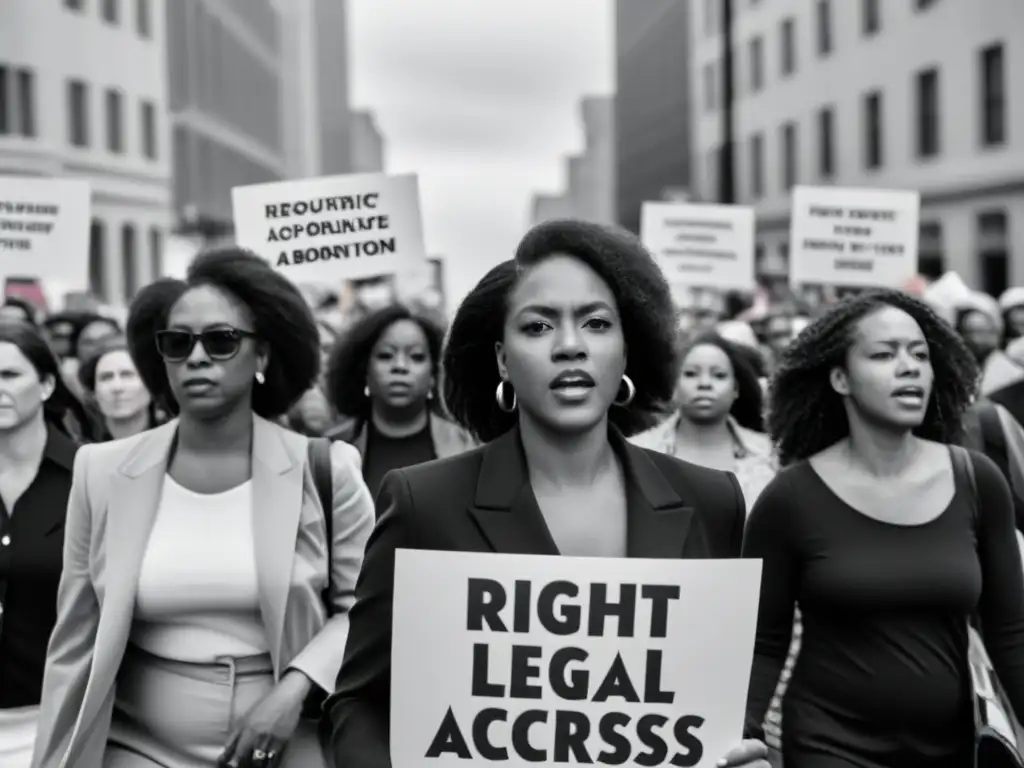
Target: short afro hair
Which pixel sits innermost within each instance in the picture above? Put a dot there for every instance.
(282, 321)
(644, 303)
(806, 415)
(349, 361)
(748, 408)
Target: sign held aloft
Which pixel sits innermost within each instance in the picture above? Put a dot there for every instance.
(853, 237)
(44, 231)
(699, 245)
(332, 228)
(517, 660)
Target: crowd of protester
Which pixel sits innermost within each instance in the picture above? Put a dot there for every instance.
(178, 590)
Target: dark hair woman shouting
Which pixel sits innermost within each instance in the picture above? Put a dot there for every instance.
(203, 603)
(875, 529)
(552, 360)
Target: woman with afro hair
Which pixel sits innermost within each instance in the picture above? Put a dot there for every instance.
(878, 529)
(552, 361)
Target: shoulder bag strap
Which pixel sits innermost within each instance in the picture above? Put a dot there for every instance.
(320, 467)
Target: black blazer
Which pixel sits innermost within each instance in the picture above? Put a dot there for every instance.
(31, 560)
(481, 501)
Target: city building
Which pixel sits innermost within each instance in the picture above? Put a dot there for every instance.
(300, 92)
(367, 143)
(83, 94)
(590, 175)
(225, 68)
(331, 46)
(652, 103)
(865, 93)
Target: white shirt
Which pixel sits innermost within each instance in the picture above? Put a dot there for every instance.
(198, 596)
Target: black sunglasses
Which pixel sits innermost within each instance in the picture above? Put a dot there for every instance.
(175, 346)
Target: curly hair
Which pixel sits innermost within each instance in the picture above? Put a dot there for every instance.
(349, 361)
(748, 408)
(644, 303)
(282, 321)
(806, 415)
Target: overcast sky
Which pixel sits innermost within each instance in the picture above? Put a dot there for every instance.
(481, 99)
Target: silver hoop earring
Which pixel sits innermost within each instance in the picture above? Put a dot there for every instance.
(499, 397)
(630, 392)
(260, 378)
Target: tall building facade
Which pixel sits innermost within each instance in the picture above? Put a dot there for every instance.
(652, 103)
(300, 101)
(331, 46)
(922, 95)
(226, 100)
(83, 95)
(367, 143)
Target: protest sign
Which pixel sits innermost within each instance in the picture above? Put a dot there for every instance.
(853, 237)
(44, 232)
(517, 660)
(708, 246)
(332, 228)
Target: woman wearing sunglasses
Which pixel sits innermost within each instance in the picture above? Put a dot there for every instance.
(202, 609)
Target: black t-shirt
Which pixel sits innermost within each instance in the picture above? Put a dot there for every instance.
(881, 678)
(385, 453)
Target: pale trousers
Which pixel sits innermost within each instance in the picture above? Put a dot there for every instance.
(172, 714)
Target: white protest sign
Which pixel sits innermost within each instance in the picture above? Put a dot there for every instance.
(332, 228)
(709, 246)
(514, 660)
(853, 237)
(44, 232)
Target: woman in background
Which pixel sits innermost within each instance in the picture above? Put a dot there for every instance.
(875, 531)
(552, 360)
(111, 381)
(202, 605)
(36, 457)
(382, 377)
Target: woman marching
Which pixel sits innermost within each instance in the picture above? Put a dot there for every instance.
(552, 360)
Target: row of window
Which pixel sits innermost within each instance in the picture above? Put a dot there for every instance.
(992, 127)
(130, 277)
(871, 24)
(79, 124)
(18, 113)
(112, 11)
(992, 238)
(870, 18)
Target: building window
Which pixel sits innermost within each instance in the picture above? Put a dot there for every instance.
(873, 143)
(78, 113)
(97, 255)
(115, 121)
(870, 17)
(128, 264)
(787, 33)
(789, 156)
(110, 11)
(923, 5)
(824, 28)
(928, 135)
(993, 96)
(826, 142)
(156, 253)
(5, 102)
(757, 64)
(74, 5)
(931, 259)
(149, 130)
(26, 103)
(710, 87)
(143, 18)
(993, 251)
(712, 173)
(757, 166)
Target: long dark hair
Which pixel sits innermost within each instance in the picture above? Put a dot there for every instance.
(61, 404)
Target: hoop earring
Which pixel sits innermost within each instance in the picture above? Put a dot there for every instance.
(630, 392)
(500, 399)
(366, 391)
(260, 378)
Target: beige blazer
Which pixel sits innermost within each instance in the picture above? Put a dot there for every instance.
(114, 495)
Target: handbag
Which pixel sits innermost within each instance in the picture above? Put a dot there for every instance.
(997, 734)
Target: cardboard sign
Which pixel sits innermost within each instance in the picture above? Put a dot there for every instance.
(853, 237)
(44, 232)
(707, 246)
(332, 228)
(517, 660)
